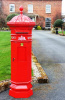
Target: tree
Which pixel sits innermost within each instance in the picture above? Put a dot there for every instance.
(58, 23)
(2, 16)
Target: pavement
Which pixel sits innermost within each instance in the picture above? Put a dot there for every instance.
(50, 52)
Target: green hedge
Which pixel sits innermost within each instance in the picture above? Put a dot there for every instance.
(9, 17)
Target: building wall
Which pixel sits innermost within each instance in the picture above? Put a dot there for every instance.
(39, 7)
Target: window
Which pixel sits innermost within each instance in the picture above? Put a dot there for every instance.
(33, 19)
(30, 8)
(48, 8)
(48, 22)
(12, 7)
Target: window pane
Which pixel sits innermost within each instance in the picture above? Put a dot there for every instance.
(48, 8)
(47, 19)
(12, 8)
(48, 22)
(30, 8)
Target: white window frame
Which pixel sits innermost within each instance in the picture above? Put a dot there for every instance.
(10, 7)
(48, 8)
(30, 8)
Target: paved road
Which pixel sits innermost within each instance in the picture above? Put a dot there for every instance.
(50, 51)
(51, 46)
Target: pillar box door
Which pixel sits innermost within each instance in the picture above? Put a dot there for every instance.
(22, 59)
(21, 44)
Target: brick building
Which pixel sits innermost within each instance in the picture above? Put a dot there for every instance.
(43, 12)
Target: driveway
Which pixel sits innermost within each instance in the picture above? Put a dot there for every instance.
(51, 46)
(50, 52)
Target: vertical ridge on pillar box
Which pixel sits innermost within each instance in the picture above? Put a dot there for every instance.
(21, 46)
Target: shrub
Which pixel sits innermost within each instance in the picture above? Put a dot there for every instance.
(9, 17)
(5, 28)
(53, 30)
(2, 22)
(43, 28)
(39, 28)
(58, 23)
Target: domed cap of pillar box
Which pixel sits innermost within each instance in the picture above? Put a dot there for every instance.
(21, 20)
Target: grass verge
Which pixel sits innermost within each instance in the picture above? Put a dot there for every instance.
(61, 32)
(5, 68)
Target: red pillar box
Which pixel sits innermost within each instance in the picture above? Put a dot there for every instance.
(21, 44)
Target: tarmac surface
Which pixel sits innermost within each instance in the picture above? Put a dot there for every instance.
(50, 52)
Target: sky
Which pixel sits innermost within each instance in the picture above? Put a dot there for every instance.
(63, 7)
